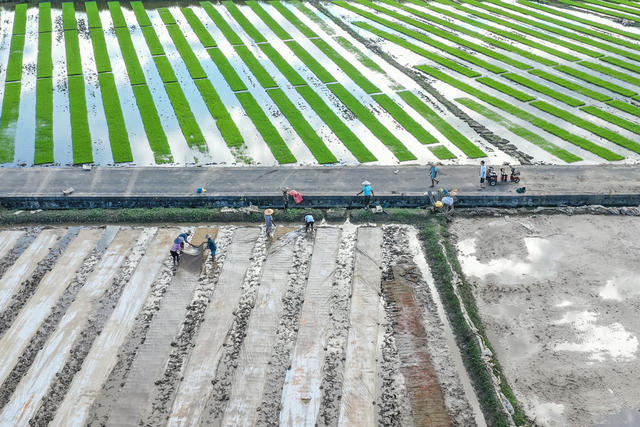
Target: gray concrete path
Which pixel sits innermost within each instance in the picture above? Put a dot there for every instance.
(238, 181)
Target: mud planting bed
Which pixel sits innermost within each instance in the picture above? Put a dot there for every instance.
(559, 299)
(336, 327)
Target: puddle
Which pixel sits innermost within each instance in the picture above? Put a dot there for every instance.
(602, 342)
(628, 417)
(620, 288)
(539, 262)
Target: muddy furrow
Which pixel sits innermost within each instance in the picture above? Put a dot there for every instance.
(229, 360)
(46, 329)
(28, 286)
(165, 387)
(393, 405)
(423, 386)
(21, 244)
(339, 302)
(280, 362)
(103, 309)
(100, 409)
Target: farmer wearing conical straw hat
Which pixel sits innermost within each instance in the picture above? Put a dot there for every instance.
(268, 221)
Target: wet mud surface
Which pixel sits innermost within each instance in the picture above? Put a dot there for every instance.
(558, 298)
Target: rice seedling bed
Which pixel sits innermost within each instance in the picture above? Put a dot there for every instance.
(255, 66)
(45, 62)
(546, 90)
(225, 124)
(44, 122)
(283, 66)
(246, 25)
(44, 17)
(612, 118)
(8, 119)
(186, 119)
(191, 61)
(337, 126)
(309, 136)
(267, 19)
(372, 123)
(269, 133)
(318, 69)
(226, 69)
(520, 96)
(81, 137)
(152, 124)
(626, 107)
(136, 76)
(141, 13)
(221, 23)
(118, 135)
(198, 27)
(404, 119)
(522, 132)
(595, 80)
(459, 140)
(291, 17)
(576, 87)
(103, 64)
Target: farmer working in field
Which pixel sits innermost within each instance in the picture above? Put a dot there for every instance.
(211, 244)
(367, 192)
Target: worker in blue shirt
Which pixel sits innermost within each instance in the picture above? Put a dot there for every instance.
(367, 192)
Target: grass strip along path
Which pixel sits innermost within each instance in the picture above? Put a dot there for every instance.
(534, 120)
(80, 133)
(361, 112)
(149, 114)
(342, 131)
(11, 99)
(44, 89)
(522, 132)
(118, 135)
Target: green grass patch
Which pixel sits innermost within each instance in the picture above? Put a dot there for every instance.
(116, 14)
(164, 69)
(190, 59)
(118, 135)
(256, 67)
(188, 124)
(141, 14)
(291, 17)
(372, 123)
(595, 80)
(574, 18)
(628, 108)
(93, 14)
(14, 68)
(219, 112)
(100, 52)
(364, 59)
(476, 36)
(444, 34)
(405, 120)
(152, 124)
(520, 96)
(226, 69)
(72, 48)
(130, 56)
(198, 27)
(533, 119)
(246, 25)
(8, 120)
(302, 127)
(221, 23)
(576, 87)
(448, 131)
(503, 33)
(318, 69)
(44, 122)
(420, 37)
(611, 72)
(166, 16)
(612, 118)
(347, 67)
(442, 152)
(445, 62)
(607, 134)
(20, 19)
(522, 132)
(45, 62)
(546, 90)
(269, 133)
(69, 16)
(315, 18)
(287, 70)
(337, 126)
(44, 17)
(80, 135)
(267, 19)
(153, 42)
(622, 64)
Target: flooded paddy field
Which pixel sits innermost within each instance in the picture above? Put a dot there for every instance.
(559, 298)
(342, 326)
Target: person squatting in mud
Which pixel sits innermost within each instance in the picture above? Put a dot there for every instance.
(308, 222)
